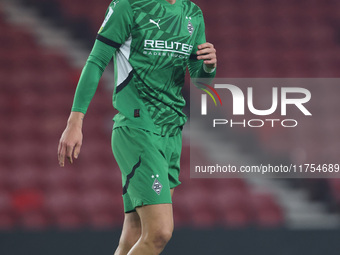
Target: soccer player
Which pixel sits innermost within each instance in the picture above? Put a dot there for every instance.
(152, 42)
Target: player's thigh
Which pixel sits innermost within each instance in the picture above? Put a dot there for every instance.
(132, 222)
(131, 228)
(143, 166)
(156, 220)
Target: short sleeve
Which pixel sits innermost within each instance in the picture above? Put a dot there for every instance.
(117, 25)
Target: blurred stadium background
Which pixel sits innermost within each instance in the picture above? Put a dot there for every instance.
(45, 209)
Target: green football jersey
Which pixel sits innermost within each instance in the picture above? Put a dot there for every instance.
(154, 41)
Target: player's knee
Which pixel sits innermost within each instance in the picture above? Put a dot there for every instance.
(130, 238)
(162, 238)
(127, 242)
(158, 239)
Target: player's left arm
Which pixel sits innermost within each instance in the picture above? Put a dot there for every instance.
(203, 64)
(203, 61)
(207, 53)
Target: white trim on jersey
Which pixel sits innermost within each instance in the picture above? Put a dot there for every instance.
(175, 51)
(122, 60)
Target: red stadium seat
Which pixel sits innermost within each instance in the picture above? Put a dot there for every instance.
(8, 221)
(35, 220)
(234, 207)
(267, 213)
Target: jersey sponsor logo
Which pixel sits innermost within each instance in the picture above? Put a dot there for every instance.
(167, 48)
(156, 23)
(156, 186)
(108, 16)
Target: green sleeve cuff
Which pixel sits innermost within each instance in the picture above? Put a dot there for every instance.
(208, 70)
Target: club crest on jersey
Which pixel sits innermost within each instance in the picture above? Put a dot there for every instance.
(190, 26)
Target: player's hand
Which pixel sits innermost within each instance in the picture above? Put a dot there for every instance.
(71, 139)
(207, 52)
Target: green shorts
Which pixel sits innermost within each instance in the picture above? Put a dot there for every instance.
(150, 165)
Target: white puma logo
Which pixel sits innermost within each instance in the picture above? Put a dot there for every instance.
(156, 23)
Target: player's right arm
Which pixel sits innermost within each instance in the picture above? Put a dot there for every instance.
(113, 32)
(71, 139)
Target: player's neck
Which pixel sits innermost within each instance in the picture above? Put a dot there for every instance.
(171, 1)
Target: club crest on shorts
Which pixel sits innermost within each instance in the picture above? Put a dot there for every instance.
(156, 186)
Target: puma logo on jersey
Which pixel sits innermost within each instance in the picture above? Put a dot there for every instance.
(156, 23)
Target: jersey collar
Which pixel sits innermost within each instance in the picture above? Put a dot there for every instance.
(167, 4)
